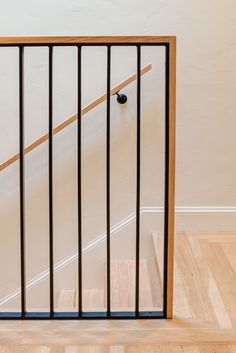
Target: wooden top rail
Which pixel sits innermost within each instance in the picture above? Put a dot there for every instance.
(73, 118)
(87, 39)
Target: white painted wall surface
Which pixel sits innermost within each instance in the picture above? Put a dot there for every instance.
(206, 105)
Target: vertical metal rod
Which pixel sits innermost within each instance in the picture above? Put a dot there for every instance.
(22, 179)
(138, 179)
(80, 291)
(50, 170)
(166, 213)
(108, 177)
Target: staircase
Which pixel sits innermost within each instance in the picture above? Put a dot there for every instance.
(122, 290)
(93, 300)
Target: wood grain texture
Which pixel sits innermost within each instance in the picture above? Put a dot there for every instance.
(74, 117)
(202, 322)
(70, 348)
(123, 286)
(66, 300)
(87, 39)
(93, 300)
(122, 291)
(158, 244)
(171, 179)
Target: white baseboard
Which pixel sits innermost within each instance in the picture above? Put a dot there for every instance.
(205, 219)
(201, 218)
(205, 210)
(184, 210)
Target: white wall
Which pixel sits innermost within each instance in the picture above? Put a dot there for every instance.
(206, 105)
(206, 32)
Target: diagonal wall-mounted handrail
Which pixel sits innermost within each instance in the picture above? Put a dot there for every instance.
(73, 118)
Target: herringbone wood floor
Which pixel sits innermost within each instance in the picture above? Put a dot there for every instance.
(204, 321)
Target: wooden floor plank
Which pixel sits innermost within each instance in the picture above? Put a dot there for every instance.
(190, 349)
(214, 349)
(224, 276)
(181, 303)
(123, 285)
(191, 277)
(212, 296)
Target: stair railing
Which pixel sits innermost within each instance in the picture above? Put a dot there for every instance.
(169, 42)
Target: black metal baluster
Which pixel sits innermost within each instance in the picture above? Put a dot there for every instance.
(166, 213)
(92, 315)
(108, 178)
(22, 179)
(50, 160)
(138, 180)
(80, 291)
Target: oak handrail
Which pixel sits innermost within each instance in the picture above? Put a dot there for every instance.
(86, 39)
(74, 117)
